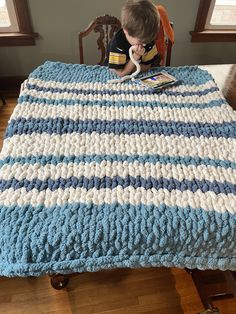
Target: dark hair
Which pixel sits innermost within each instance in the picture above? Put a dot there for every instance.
(140, 19)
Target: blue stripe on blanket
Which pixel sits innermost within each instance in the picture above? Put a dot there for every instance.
(52, 159)
(111, 183)
(87, 91)
(120, 103)
(68, 126)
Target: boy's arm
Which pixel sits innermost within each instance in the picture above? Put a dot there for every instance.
(130, 67)
(138, 51)
(145, 67)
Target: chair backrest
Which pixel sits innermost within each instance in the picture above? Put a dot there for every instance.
(169, 49)
(107, 26)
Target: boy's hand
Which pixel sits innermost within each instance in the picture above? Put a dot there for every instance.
(138, 50)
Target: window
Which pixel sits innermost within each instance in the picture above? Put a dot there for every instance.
(222, 15)
(8, 20)
(216, 21)
(15, 25)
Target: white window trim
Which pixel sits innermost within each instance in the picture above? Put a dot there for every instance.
(12, 17)
(215, 26)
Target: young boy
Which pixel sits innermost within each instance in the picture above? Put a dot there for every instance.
(140, 26)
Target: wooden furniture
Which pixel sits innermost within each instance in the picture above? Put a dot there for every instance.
(225, 76)
(213, 285)
(107, 26)
(2, 99)
(169, 49)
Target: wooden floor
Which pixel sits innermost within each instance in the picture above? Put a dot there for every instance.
(156, 290)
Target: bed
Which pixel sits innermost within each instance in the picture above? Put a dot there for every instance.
(98, 176)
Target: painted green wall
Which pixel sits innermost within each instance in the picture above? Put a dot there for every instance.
(59, 21)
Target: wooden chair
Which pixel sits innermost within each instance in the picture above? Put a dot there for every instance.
(101, 25)
(169, 49)
(107, 26)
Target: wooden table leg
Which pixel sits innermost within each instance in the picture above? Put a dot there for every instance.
(2, 99)
(231, 281)
(212, 285)
(59, 281)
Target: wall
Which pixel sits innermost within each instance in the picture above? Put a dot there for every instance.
(58, 23)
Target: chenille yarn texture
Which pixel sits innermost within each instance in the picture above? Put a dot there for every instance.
(97, 176)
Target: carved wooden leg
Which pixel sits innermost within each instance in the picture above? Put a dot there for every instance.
(230, 277)
(206, 301)
(59, 281)
(205, 297)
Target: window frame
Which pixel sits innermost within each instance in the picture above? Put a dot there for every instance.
(25, 36)
(201, 33)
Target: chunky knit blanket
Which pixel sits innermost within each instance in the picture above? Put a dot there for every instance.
(96, 176)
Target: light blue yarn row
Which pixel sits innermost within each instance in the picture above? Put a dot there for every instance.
(160, 235)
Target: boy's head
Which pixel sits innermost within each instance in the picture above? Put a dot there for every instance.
(140, 21)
